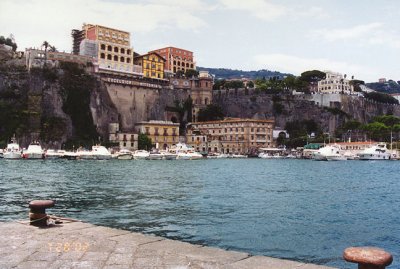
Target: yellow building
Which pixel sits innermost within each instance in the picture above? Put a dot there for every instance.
(231, 135)
(152, 65)
(110, 47)
(162, 133)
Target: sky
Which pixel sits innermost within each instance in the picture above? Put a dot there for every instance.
(360, 38)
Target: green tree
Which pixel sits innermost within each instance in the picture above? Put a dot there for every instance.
(191, 73)
(250, 84)
(234, 84)
(45, 45)
(312, 76)
(388, 120)
(381, 97)
(183, 109)
(210, 113)
(376, 130)
(144, 142)
(219, 84)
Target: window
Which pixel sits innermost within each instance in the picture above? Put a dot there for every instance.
(103, 47)
(122, 50)
(109, 57)
(109, 48)
(128, 51)
(115, 58)
(122, 59)
(128, 60)
(116, 49)
(102, 56)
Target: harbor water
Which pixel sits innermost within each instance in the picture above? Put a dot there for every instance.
(301, 210)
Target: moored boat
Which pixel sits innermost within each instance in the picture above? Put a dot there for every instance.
(329, 153)
(101, 153)
(54, 154)
(13, 151)
(140, 154)
(124, 154)
(34, 151)
(375, 152)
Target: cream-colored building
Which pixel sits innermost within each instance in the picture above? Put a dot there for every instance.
(231, 135)
(124, 140)
(38, 58)
(335, 83)
(110, 47)
(163, 134)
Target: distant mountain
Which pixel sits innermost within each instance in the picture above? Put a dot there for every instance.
(225, 73)
(390, 86)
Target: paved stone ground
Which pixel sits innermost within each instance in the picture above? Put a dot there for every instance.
(81, 245)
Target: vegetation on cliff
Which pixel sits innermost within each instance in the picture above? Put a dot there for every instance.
(381, 97)
(387, 87)
(76, 86)
(225, 73)
(210, 113)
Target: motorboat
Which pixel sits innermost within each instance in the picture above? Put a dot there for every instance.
(54, 154)
(34, 151)
(1, 153)
(85, 154)
(168, 155)
(271, 153)
(183, 152)
(216, 155)
(71, 155)
(140, 154)
(101, 153)
(13, 151)
(124, 154)
(329, 153)
(376, 152)
(155, 155)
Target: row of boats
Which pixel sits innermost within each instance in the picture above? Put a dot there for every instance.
(35, 151)
(334, 153)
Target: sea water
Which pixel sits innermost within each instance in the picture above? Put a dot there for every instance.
(301, 210)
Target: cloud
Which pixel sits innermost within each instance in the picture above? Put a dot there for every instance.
(355, 32)
(268, 11)
(297, 65)
(261, 9)
(372, 33)
(53, 20)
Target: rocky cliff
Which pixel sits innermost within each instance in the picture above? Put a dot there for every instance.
(328, 111)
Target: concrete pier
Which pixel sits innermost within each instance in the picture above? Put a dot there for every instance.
(74, 244)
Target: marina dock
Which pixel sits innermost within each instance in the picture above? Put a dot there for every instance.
(75, 244)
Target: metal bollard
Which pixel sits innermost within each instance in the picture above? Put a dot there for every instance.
(37, 214)
(368, 257)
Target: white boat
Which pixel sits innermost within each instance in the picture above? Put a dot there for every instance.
(124, 154)
(85, 154)
(34, 151)
(140, 154)
(1, 153)
(155, 155)
(216, 155)
(71, 155)
(329, 153)
(376, 152)
(168, 155)
(183, 152)
(54, 154)
(101, 153)
(272, 153)
(13, 151)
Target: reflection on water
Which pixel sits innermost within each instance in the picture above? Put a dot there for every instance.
(296, 209)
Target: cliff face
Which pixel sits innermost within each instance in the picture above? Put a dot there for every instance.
(252, 104)
(33, 105)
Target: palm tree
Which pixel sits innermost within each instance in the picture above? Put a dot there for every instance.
(45, 45)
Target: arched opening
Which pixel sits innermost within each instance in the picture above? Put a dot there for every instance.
(102, 56)
(116, 49)
(128, 60)
(122, 50)
(115, 58)
(206, 101)
(109, 57)
(109, 48)
(128, 52)
(103, 47)
(122, 59)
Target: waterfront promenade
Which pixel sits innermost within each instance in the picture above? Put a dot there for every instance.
(75, 244)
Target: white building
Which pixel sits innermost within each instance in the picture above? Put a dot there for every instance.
(335, 83)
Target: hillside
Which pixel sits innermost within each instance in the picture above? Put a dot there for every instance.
(225, 73)
(389, 87)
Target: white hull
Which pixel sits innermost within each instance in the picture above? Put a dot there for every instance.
(12, 155)
(155, 157)
(102, 157)
(367, 157)
(125, 156)
(140, 155)
(32, 156)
